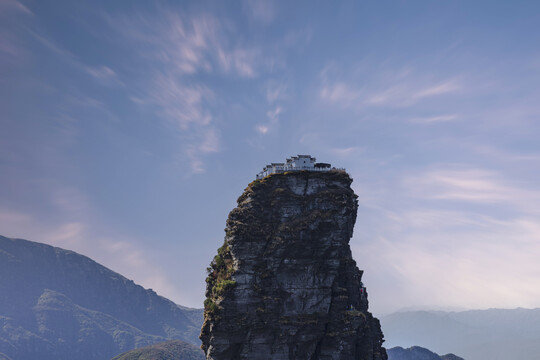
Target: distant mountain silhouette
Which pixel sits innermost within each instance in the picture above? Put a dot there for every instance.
(56, 304)
(417, 353)
(495, 334)
(169, 350)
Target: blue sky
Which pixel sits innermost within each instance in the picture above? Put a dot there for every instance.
(129, 128)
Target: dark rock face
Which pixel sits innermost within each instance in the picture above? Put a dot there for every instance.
(417, 353)
(56, 304)
(284, 284)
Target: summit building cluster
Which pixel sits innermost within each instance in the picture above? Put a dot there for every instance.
(294, 163)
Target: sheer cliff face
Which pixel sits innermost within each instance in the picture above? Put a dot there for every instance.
(284, 284)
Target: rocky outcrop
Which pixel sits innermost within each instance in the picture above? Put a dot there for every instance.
(284, 284)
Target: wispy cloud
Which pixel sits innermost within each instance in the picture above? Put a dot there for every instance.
(275, 92)
(205, 141)
(185, 105)
(400, 88)
(182, 44)
(260, 11)
(398, 95)
(298, 38)
(13, 218)
(13, 14)
(14, 5)
(455, 259)
(243, 61)
(273, 120)
(75, 102)
(67, 235)
(345, 151)
(445, 87)
(276, 95)
(433, 119)
(263, 129)
(103, 74)
(175, 51)
(273, 115)
(471, 185)
(188, 108)
(188, 44)
(10, 48)
(490, 151)
(447, 235)
(340, 92)
(210, 141)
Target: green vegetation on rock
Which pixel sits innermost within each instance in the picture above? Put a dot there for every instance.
(210, 307)
(219, 280)
(223, 286)
(284, 278)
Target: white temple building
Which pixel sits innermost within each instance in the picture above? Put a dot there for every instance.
(295, 163)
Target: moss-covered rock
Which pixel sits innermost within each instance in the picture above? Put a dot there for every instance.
(284, 284)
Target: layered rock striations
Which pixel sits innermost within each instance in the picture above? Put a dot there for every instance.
(284, 284)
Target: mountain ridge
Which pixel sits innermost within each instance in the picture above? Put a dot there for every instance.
(52, 298)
